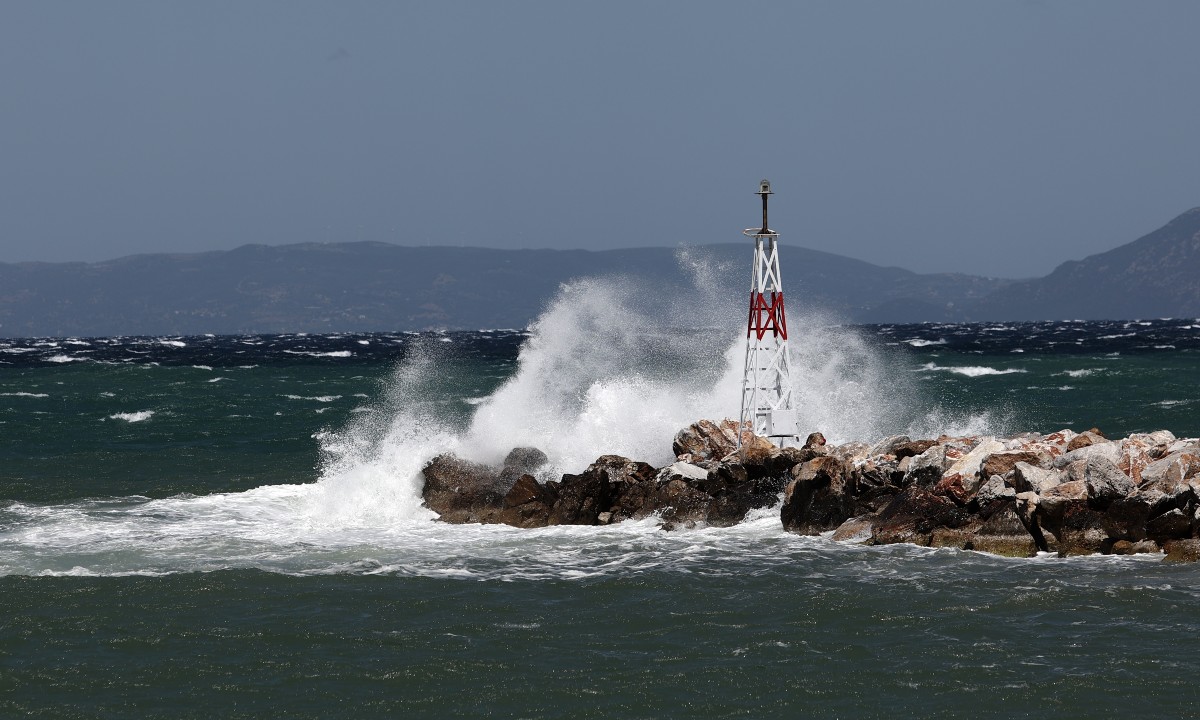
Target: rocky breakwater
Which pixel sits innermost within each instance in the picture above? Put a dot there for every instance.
(1070, 493)
(709, 484)
(1073, 494)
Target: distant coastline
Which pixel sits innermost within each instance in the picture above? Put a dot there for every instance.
(365, 287)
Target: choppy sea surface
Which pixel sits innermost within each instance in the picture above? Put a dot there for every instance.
(232, 527)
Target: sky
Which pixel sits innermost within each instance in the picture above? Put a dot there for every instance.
(992, 138)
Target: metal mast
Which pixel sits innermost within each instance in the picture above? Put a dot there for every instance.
(767, 381)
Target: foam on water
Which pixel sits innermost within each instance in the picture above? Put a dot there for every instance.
(597, 375)
(133, 417)
(970, 371)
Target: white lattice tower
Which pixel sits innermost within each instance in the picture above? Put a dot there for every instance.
(767, 381)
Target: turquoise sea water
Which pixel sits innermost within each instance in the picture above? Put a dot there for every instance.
(231, 526)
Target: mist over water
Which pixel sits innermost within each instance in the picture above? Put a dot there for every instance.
(612, 366)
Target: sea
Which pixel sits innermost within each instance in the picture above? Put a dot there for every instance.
(231, 526)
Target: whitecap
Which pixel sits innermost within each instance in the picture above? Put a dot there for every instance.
(173, 343)
(919, 342)
(63, 359)
(333, 353)
(317, 398)
(133, 417)
(970, 370)
(24, 394)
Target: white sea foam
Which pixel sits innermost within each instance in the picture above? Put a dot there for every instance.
(918, 342)
(1173, 403)
(63, 359)
(133, 417)
(596, 375)
(24, 394)
(1081, 373)
(970, 370)
(173, 343)
(332, 353)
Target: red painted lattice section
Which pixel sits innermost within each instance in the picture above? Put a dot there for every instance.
(767, 316)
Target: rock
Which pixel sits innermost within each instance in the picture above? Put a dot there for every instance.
(814, 440)
(960, 481)
(994, 489)
(926, 469)
(1171, 470)
(1001, 463)
(1071, 490)
(705, 440)
(819, 497)
(1108, 450)
(912, 448)
(581, 498)
(1003, 533)
(686, 471)
(525, 460)
(527, 504)
(1173, 525)
(1077, 528)
(913, 515)
(1125, 547)
(1125, 518)
(1141, 449)
(1028, 477)
(460, 491)
(1082, 440)
(854, 530)
(1105, 482)
(779, 462)
(1182, 550)
(888, 445)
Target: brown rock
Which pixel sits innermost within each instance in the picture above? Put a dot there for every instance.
(913, 515)
(1002, 462)
(581, 498)
(460, 491)
(1171, 471)
(1182, 550)
(1078, 529)
(1173, 525)
(1125, 547)
(854, 530)
(705, 440)
(819, 498)
(1003, 533)
(912, 448)
(527, 504)
(521, 461)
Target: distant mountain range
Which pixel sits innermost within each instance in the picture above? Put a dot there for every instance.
(377, 286)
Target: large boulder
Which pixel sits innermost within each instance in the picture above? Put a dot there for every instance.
(913, 515)
(1105, 482)
(527, 504)
(819, 498)
(706, 440)
(460, 491)
(522, 461)
(582, 499)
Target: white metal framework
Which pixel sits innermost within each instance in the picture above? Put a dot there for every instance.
(767, 380)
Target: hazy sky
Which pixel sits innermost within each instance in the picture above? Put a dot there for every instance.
(996, 138)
